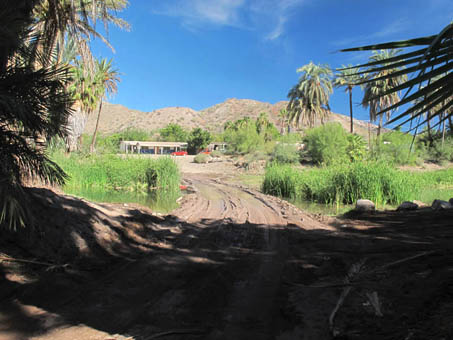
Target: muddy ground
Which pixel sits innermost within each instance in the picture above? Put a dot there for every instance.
(230, 263)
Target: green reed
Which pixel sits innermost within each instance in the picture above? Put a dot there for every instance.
(342, 184)
(111, 172)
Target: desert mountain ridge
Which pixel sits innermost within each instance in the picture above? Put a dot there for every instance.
(116, 117)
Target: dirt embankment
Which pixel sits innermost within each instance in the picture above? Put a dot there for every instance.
(230, 263)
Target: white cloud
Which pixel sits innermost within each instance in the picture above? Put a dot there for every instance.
(197, 13)
(268, 17)
(395, 27)
(274, 14)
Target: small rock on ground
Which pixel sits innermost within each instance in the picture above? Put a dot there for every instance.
(365, 205)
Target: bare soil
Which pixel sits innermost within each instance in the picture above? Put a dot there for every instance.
(230, 263)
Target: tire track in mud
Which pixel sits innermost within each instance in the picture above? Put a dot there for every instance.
(250, 310)
(218, 201)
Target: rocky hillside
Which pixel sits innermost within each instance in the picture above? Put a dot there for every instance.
(115, 117)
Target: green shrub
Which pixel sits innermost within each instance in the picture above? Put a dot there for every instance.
(356, 149)
(201, 158)
(285, 153)
(244, 140)
(291, 138)
(216, 153)
(442, 151)
(327, 144)
(134, 134)
(395, 147)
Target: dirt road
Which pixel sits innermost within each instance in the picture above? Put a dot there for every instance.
(230, 263)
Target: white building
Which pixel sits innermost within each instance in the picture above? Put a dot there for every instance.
(153, 148)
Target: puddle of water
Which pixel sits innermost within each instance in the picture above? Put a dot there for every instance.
(162, 202)
(323, 209)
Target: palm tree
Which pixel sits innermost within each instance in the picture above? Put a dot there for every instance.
(57, 19)
(309, 98)
(431, 57)
(262, 122)
(348, 77)
(284, 117)
(106, 80)
(85, 93)
(33, 104)
(378, 95)
(228, 125)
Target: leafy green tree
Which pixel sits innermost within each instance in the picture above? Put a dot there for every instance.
(34, 106)
(244, 140)
(348, 77)
(198, 140)
(173, 133)
(106, 79)
(327, 144)
(309, 98)
(378, 93)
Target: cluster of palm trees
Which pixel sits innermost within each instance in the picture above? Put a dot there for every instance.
(262, 125)
(309, 98)
(88, 90)
(39, 87)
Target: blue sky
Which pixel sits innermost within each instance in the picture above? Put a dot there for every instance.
(197, 53)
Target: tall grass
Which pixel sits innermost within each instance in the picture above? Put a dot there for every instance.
(438, 178)
(342, 183)
(111, 172)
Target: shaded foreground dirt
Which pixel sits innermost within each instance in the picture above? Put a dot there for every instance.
(230, 263)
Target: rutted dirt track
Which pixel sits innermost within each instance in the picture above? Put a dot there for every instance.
(230, 263)
(215, 199)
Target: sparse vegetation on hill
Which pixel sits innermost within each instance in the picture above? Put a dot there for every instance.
(115, 117)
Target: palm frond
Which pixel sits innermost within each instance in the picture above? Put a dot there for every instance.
(422, 66)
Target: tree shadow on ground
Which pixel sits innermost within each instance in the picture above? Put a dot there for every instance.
(129, 272)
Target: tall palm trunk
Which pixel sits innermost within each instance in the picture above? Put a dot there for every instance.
(93, 140)
(350, 109)
(381, 120)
